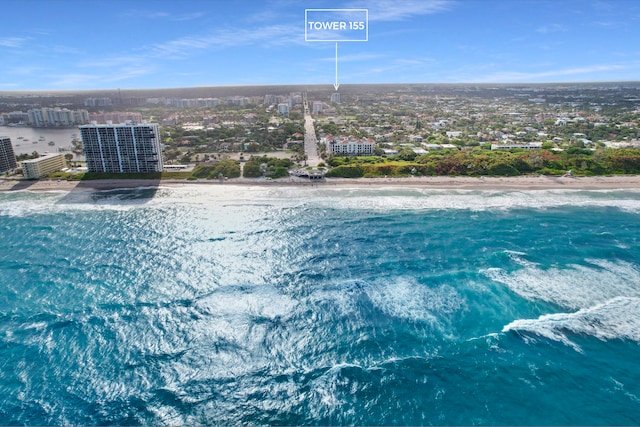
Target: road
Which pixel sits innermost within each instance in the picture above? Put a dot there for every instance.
(310, 140)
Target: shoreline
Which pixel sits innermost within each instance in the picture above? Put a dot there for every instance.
(520, 183)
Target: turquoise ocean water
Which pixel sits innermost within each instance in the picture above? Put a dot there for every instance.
(317, 306)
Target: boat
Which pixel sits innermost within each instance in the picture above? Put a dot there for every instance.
(20, 137)
(35, 142)
(52, 143)
(41, 138)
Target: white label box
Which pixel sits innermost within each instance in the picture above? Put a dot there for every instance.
(336, 25)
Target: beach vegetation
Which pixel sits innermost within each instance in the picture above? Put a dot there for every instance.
(346, 171)
(274, 167)
(280, 172)
(480, 162)
(88, 176)
(67, 176)
(227, 168)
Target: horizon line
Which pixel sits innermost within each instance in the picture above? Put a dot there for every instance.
(328, 85)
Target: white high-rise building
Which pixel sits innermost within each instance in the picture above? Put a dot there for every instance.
(283, 109)
(317, 107)
(47, 117)
(335, 97)
(125, 147)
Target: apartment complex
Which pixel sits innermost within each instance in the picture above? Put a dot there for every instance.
(283, 109)
(317, 107)
(57, 117)
(7, 156)
(115, 117)
(42, 166)
(343, 145)
(98, 102)
(126, 147)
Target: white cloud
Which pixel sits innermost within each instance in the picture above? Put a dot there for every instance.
(24, 70)
(553, 28)
(98, 74)
(136, 13)
(75, 81)
(516, 76)
(614, 25)
(13, 41)
(188, 16)
(354, 57)
(97, 80)
(395, 10)
(112, 61)
(66, 50)
(274, 35)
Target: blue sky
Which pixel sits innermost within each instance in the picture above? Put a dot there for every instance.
(95, 44)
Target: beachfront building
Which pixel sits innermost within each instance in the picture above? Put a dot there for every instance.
(349, 146)
(121, 148)
(7, 156)
(42, 166)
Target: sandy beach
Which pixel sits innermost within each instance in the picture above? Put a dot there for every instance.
(521, 183)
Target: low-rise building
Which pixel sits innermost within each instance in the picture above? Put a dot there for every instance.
(42, 166)
(524, 146)
(342, 145)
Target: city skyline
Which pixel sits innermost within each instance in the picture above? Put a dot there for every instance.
(72, 45)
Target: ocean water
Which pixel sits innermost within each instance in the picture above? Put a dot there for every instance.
(219, 305)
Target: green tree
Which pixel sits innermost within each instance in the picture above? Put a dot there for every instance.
(406, 154)
(346, 171)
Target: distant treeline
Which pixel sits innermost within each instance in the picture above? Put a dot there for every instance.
(493, 163)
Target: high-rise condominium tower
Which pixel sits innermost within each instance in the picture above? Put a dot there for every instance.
(126, 147)
(7, 156)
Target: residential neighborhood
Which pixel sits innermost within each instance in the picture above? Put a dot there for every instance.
(415, 123)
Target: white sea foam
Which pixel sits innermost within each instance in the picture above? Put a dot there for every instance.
(405, 298)
(604, 293)
(475, 200)
(519, 258)
(250, 301)
(317, 197)
(43, 203)
(616, 318)
(400, 297)
(573, 287)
